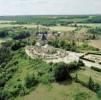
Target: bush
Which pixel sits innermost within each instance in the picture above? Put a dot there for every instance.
(80, 63)
(5, 95)
(99, 94)
(2, 82)
(71, 46)
(74, 66)
(3, 33)
(18, 89)
(93, 86)
(5, 55)
(21, 35)
(18, 44)
(81, 96)
(91, 83)
(45, 79)
(30, 81)
(61, 73)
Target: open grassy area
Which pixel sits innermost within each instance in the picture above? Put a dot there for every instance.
(17, 25)
(86, 73)
(90, 24)
(62, 28)
(63, 91)
(95, 43)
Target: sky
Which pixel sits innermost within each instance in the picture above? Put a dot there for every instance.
(49, 7)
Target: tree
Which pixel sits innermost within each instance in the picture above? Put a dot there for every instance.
(96, 87)
(76, 78)
(91, 84)
(3, 33)
(18, 44)
(80, 63)
(99, 94)
(61, 73)
(5, 55)
(21, 35)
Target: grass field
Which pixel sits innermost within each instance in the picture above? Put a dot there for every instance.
(7, 22)
(90, 24)
(54, 28)
(18, 25)
(57, 91)
(84, 75)
(95, 43)
(62, 28)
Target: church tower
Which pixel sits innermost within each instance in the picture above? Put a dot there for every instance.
(42, 37)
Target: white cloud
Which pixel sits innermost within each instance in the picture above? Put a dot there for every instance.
(33, 7)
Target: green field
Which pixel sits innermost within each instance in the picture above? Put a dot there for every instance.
(86, 73)
(63, 91)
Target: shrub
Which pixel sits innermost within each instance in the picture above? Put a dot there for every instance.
(91, 83)
(2, 82)
(74, 66)
(5, 55)
(81, 96)
(45, 79)
(80, 63)
(30, 81)
(93, 86)
(3, 33)
(96, 87)
(18, 44)
(71, 46)
(5, 95)
(18, 89)
(21, 35)
(99, 94)
(76, 78)
(61, 73)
